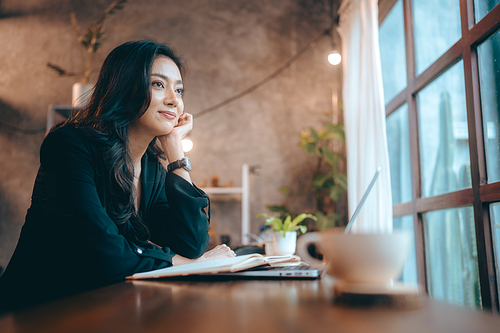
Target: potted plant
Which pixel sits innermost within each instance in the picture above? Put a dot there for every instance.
(284, 236)
(91, 43)
(329, 181)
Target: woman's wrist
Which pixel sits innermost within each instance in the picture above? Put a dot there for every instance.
(172, 147)
(178, 260)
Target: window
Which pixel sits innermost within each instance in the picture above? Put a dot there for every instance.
(443, 130)
(392, 52)
(409, 274)
(483, 7)
(444, 140)
(489, 84)
(436, 27)
(398, 143)
(451, 256)
(495, 218)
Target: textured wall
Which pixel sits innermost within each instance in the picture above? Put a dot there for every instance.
(229, 45)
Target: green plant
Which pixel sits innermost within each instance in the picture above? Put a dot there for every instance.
(286, 224)
(91, 43)
(329, 182)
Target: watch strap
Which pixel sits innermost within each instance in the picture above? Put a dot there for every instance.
(182, 163)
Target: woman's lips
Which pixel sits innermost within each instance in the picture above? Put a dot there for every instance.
(168, 114)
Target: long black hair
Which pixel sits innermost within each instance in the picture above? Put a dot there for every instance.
(121, 95)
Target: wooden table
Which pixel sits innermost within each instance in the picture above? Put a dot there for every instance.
(236, 306)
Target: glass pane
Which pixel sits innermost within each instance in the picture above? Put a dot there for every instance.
(483, 7)
(409, 274)
(398, 144)
(436, 27)
(451, 256)
(443, 134)
(392, 52)
(489, 82)
(495, 219)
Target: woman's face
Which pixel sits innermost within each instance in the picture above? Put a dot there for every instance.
(166, 100)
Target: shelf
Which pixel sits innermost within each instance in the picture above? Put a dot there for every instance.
(244, 191)
(223, 190)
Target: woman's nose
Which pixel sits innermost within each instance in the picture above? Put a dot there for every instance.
(171, 97)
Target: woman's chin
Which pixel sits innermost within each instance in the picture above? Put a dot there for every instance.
(166, 130)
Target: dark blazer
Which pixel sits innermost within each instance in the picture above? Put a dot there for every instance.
(69, 244)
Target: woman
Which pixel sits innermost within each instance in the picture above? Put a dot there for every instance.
(104, 206)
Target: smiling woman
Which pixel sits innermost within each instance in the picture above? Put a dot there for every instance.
(106, 204)
(166, 101)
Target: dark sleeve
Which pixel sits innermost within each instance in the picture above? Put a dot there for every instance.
(178, 216)
(66, 158)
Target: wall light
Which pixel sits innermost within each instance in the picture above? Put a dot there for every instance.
(187, 144)
(334, 58)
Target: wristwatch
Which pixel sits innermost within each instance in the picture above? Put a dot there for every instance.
(182, 163)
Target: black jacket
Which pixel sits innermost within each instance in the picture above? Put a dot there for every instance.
(69, 243)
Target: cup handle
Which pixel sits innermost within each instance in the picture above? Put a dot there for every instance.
(303, 243)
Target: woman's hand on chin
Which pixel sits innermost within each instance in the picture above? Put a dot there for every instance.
(171, 143)
(219, 252)
(183, 127)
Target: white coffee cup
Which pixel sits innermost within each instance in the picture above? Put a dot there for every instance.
(358, 258)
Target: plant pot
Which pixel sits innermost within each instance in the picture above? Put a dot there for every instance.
(286, 245)
(81, 94)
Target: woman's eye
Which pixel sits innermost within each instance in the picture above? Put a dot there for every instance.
(179, 91)
(158, 84)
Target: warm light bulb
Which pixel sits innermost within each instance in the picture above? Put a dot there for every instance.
(187, 145)
(334, 58)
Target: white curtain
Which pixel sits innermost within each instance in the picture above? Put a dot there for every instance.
(364, 116)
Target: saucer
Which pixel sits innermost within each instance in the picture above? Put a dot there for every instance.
(397, 294)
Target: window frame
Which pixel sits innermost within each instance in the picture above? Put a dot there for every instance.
(482, 194)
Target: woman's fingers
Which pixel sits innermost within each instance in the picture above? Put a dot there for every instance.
(219, 252)
(185, 118)
(184, 124)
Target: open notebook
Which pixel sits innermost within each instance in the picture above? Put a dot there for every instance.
(250, 265)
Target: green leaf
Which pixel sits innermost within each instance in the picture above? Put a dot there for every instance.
(286, 224)
(329, 155)
(341, 180)
(302, 228)
(275, 223)
(320, 180)
(284, 190)
(301, 217)
(323, 182)
(325, 134)
(327, 221)
(337, 131)
(339, 128)
(336, 192)
(314, 134)
(298, 219)
(310, 148)
(283, 210)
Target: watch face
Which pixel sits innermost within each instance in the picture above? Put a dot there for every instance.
(187, 163)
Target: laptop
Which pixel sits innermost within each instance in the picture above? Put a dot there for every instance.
(294, 271)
